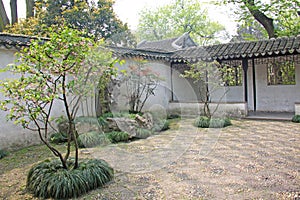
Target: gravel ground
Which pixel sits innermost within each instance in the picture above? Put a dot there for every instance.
(248, 160)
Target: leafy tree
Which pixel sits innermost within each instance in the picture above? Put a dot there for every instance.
(179, 17)
(97, 19)
(277, 17)
(60, 71)
(250, 32)
(4, 21)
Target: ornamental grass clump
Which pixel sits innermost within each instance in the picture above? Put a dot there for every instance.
(49, 179)
(92, 139)
(296, 119)
(3, 153)
(206, 122)
(117, 136)
(142, 133)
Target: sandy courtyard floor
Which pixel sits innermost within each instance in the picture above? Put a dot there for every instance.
(249, 160)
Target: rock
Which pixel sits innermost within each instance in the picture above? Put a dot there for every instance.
(123, 124)
(85, 127)
(82, 126)
(145, 121)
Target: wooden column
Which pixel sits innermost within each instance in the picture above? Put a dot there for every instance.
(254, 85)
(172, 88)
(245, 69)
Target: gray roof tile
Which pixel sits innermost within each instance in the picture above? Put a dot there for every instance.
(16, 41)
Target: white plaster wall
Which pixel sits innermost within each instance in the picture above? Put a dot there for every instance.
(162, 92)
(184, 89)
(280, 98)
(221, 109)
(11, 135)
(228, 94)
(14, 136)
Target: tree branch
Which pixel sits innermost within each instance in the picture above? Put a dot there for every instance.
(265, 21)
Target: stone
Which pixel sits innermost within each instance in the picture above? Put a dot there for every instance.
(123, 124)
(145, 121)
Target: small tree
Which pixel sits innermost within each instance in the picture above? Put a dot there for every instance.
(141, 82)
(209, 78)
(59, 71)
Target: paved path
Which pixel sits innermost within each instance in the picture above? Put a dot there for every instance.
(249, 160)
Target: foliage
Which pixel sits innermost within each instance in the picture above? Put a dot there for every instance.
(142, 133)
(62, 71)
(49, 179)
(296, 119)
(210, 78)
(92, 139)
(3, 153)
(161, 125)
(281, 16)
(102, 119)
(205, 122)
(181, 16)
(173, 116)
(117, 136)
(58, 138)
(96, 18)
(141, 82)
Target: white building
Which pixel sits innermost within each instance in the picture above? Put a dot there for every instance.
(265, 77)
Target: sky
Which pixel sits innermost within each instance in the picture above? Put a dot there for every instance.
(128, 11)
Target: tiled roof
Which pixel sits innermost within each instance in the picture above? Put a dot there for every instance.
(15, 41)
(253, 49)
(146, 54)
(168, 45)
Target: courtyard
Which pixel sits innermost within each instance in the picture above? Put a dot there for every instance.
(252, 159)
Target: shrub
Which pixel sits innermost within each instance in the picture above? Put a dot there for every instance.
(142, 133)
(92, 139)
(296, 119)
(173, 116)
(202, 122)
(161, 125)
(3, 153)
(116, 136)
(49, 179)
(84, 119)
(58, 138)
(205, 122)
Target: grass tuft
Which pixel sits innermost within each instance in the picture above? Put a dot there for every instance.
(92, 139)
(116, 136)
(296, 119)
(205, 122)
(49, 179)
(3, 153)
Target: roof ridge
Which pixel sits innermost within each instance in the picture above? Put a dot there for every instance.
(22, 35)
(243, 42)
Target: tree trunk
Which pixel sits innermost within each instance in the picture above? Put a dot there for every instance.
(3, 17)
(14, 11)
(265, 21)
(29, 8)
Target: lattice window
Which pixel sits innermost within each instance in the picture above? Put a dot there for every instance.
(232, 75)
(281, 73)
